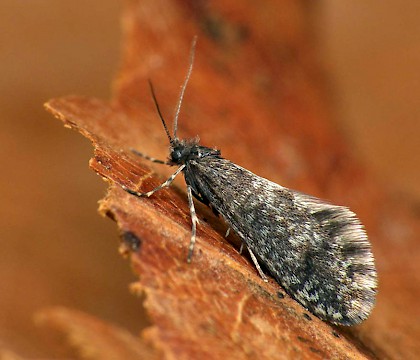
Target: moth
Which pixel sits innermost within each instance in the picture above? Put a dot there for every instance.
(318, 252)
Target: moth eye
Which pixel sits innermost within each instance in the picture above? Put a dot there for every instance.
(176, 154)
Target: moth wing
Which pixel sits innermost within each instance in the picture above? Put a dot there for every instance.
(317, 251)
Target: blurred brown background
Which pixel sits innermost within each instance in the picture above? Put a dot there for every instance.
(55, 249)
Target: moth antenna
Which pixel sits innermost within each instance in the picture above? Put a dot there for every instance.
(184, 85)
(152, 90)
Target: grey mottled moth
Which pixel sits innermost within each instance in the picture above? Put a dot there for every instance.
(318, 252)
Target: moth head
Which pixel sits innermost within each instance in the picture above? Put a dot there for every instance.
(182, 151)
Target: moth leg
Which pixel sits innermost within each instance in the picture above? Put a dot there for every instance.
(255, 261)
(194, 221)
(241, 248)
(147, 157)
(151, 192)
(242, 243)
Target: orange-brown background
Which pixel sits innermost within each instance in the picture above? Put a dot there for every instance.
(55, 249)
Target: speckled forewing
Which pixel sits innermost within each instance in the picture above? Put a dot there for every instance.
(318, 252)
